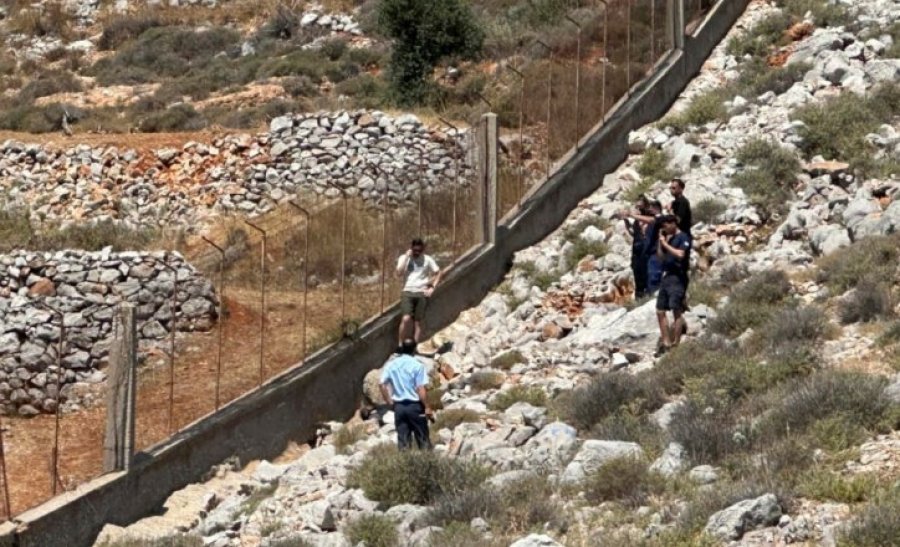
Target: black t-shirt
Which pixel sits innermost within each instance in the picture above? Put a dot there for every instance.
(681, 208)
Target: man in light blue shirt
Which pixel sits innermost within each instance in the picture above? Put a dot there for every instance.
(403, 385)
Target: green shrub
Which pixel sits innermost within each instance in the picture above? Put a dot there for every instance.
(123, 28)
(423, 34)
(760, 39)
(877, 525)
(180, 117)
(373, 531)
(856, 397)
(466, 505)
(836, 433)
(793, 325)
(426, 476)
(48, 19)
(769, 174)
(288, 542)
(626, 425)
(874, 257)
(532, 395)
(49, 82)
(837, 128)
(624, 480)
(17, 232)
(705, 108)
(702, 292)
(870, 300)
(283, 24)
(582, 249)
(459, 534)
(708, 210)
(347, 436)
(757, 77)
(824, 12)
(450, 418)
(890, 336)
(164, 52)
(484, 380)
(605, 395)
(508, 359)
(523, 504)
(707, 433)
(541, 279)
(654, 165)
(752, 302)
(177, 540)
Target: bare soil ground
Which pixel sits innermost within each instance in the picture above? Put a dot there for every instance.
(29, 442)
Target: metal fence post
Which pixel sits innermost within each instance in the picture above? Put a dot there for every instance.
(306, 221)
(54, 454)
(172, 328)
(549, 100)
(456, 168)
(262, 299)
(577, 82)
(6, 500)
(221, 324)
(628, 46)
(118, 445)
(605, 59)
(675, 23)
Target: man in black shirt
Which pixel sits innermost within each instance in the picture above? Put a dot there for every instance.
(675, 254)
(680, 206)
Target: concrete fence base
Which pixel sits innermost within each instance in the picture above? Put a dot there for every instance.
(288, 407)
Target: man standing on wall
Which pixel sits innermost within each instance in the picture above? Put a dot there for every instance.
(675, 253)
(421, 275)
(403, 386)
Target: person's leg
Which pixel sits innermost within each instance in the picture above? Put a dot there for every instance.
(404, 328)
(676, 292)
(419, 316)
(419, 426)
(662, 306)
(663, 328)
(402, 424)
(678, 326)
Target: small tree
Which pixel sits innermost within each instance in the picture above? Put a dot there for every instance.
(424, 32)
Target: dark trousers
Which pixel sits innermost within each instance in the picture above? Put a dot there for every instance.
(410, 421)
(639, 269)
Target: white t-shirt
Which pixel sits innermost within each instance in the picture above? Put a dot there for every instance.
(419, 272)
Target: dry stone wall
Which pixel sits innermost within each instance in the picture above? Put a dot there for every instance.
(324, 152)
(85, 288)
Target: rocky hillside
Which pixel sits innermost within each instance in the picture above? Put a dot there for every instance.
(774, 423)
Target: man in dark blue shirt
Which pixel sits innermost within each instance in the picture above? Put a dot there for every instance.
(638, 247)
(674, 253)
(648, 219)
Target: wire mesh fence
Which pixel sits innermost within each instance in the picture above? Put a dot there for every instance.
(314, 270)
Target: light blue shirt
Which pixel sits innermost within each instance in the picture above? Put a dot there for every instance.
(405, 373)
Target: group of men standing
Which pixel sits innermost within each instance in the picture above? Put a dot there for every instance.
(661, 257)
(660, 262)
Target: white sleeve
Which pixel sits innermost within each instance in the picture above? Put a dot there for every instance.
(432, 266)
(400, 261)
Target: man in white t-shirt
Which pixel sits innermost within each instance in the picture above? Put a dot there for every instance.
(421, 274)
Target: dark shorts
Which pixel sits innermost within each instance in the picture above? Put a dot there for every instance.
(671, 294)
(413, 304)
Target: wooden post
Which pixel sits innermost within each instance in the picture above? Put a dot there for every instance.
(118, 445)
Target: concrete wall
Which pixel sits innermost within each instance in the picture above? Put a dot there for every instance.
(260, 424)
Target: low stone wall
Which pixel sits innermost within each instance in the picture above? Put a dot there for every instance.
(85, 288)
(324, 152)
